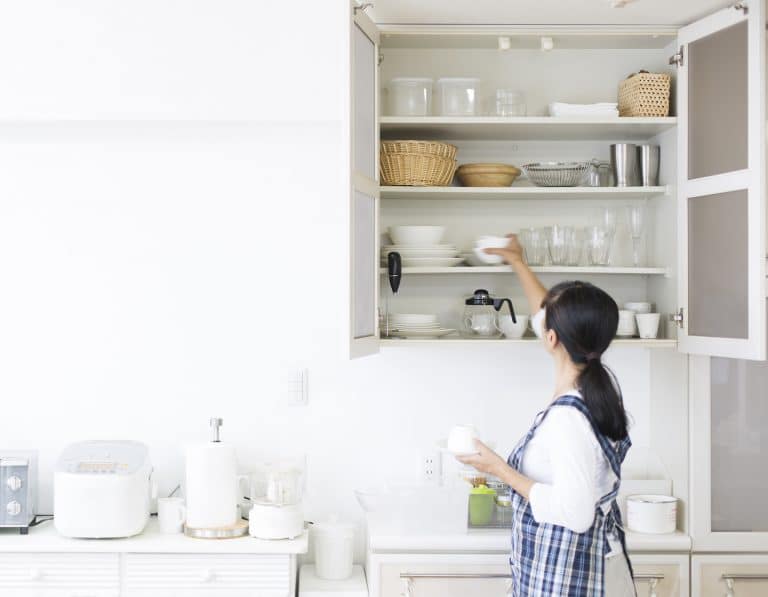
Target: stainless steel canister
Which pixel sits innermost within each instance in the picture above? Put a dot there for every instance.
(648, 157)
(625, 164)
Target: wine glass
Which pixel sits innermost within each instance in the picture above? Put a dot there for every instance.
(636, 226)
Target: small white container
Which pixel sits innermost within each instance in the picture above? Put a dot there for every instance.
(334, 549)
(457, 96)
(410, 96)
(653, 514)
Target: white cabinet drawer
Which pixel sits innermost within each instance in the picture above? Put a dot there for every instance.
(208, 575)
(59, 575)
(662, 575)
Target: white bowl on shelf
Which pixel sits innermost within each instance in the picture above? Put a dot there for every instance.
(484, 258)
(417, 236)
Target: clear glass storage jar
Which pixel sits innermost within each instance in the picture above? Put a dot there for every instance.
(457, 96)
(410, 96)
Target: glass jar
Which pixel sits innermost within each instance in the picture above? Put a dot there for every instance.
(600, 174)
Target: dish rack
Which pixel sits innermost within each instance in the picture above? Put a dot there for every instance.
(417, 163)
(557, 174)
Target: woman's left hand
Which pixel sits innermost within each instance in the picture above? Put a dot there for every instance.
(485, 461)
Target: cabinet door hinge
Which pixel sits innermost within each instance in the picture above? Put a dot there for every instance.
(362, 6)
(678, 58)
(380, 59)
(678, 318)
(743, 6)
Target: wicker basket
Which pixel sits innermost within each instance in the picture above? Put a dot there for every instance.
(644, 94)
(416, 169)
(442, 150)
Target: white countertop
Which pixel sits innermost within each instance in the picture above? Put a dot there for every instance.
(45, 538)
(383, 539)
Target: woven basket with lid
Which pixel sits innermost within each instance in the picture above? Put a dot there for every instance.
(644, 94)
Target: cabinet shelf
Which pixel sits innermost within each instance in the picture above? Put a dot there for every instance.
(522, 192)
(540, 269)
(540, 128)
(501, 342)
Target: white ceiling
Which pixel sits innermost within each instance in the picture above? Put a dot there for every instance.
(542, 12)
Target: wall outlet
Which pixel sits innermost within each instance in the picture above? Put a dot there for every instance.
(433, 467)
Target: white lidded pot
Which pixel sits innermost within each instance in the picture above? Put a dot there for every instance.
(334, 544)
(653, 514)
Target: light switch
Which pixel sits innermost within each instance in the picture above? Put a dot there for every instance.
(297, 387)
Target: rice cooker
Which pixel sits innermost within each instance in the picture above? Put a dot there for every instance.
(103, 489)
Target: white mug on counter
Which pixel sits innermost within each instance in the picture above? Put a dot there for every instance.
(171, 514)
(511, 329)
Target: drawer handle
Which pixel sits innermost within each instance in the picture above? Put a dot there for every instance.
(207, 576)
(730, 581)
(410, 576)
(653, 581)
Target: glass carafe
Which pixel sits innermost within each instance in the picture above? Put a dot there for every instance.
(481, 314)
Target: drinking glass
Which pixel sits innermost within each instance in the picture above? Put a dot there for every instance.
(574, 247)
(534, 242)
(610, 224)
(597, 245)
(636, 226)
(559, 239)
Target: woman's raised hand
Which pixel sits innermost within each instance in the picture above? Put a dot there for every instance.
(512, 253)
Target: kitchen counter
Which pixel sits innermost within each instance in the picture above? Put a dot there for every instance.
(382, 539)
(45, 538)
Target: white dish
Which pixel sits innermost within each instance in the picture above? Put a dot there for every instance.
(416, 236)
(416, 248)
(409, 253)
(432, 261)
(415, 317)
(491, 242)
(436, 333)
(485, 259)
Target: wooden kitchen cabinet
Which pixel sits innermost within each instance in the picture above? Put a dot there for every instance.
(706, 221)
(729, 575)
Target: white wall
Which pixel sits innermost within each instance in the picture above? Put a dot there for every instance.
(155, 274)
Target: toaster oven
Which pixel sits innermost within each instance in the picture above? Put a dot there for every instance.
(18, 489)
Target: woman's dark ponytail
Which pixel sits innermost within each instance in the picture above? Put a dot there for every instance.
(585, 319)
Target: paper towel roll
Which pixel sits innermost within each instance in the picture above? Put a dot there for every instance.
(211, 485)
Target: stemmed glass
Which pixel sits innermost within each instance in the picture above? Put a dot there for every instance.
(636, 226)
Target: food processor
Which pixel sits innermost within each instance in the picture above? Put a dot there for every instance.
(276, 491)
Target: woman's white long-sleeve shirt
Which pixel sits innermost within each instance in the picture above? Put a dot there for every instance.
(569, 469)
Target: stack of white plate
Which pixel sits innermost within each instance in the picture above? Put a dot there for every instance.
(431, 256)
(413, 325)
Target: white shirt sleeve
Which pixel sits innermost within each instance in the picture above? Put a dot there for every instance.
(571, 498)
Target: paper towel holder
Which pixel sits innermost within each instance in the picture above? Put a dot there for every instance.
(216, 424)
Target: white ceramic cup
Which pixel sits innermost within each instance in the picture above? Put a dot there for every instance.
(461, 439)
(627, 326)
(482, 324)
(171, 514)
(513, 330)
(648, 324)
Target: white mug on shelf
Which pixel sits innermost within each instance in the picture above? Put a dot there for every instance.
(648, 325)
(171, 514)
(513, 330)
(627, 327)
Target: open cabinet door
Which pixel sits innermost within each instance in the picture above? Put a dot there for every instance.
(722, 194)
(364, 185)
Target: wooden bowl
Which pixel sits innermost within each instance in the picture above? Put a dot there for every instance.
(487, 175)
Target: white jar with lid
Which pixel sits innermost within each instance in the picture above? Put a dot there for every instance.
(334, 544)
(410, 96)
(457, 96)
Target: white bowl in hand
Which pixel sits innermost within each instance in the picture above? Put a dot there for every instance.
(485, 258)
(491, 242)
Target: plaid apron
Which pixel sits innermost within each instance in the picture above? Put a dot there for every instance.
(548, 559)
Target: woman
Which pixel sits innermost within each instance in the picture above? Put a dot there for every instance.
(566, 531)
